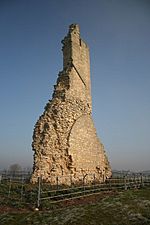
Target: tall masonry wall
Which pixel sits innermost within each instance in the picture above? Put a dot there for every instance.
(65, 142)
(76, 54)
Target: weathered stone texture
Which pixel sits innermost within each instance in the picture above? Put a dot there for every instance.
(64, 139)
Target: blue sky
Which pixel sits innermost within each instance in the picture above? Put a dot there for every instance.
(118, 34)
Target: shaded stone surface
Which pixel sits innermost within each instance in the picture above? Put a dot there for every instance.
(65, 142)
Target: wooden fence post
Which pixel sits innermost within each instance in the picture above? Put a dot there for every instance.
(22, 186)
(57, 181)
(125, 183)
(142, 183)
(39, 191)
(94, 177)
(9, 190)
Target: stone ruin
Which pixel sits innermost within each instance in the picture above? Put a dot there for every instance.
(65, 142)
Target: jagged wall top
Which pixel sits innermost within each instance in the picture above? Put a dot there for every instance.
(74, 27)
(76, 55)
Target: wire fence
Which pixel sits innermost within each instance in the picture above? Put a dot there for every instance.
(63, 193)
(15, 175)
(43, 193)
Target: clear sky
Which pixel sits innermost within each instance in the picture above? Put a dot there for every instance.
(118, 34)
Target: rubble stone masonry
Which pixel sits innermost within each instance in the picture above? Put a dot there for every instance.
(65, 142)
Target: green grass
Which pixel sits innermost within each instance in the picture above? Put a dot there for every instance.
(131, 207)
(17, 197)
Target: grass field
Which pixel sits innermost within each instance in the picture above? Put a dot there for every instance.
(131, 207)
